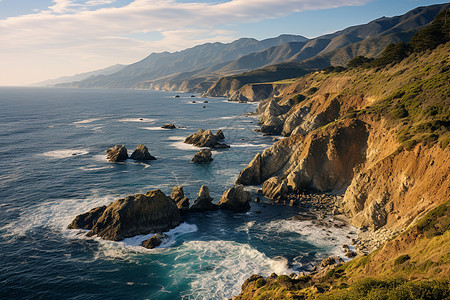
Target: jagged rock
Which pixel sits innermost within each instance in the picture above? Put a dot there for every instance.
(155, 241)
(252, 174)
(203, 156)
(203, 201)
(350, 254)
(204, 138)
(275, 189)
(179, 198)
(117, 153)
(87, 220)
(135, 215)
(272, 126)
(220, 135)
(295, 120)
(169, 126)
(235, 199)
(141, 153)
(329, 261)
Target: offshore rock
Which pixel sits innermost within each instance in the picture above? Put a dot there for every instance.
(179, 198)
(235, 199)
(169, 126)
(117, 153)
(203, 201)
(141, 153)
(205, 138)
(220, 135)
(87, 220)
(155, 240)
(135, 215)
(203, 156)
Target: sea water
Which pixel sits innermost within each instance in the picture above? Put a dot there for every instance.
(53, 167)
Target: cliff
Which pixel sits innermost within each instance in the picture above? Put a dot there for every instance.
(344, 134)
(378, 134)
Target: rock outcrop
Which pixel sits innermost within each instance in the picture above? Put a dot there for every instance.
(323, 160)
(134, 215)
(179, 198)
(203, 156)
(235, 199)
(203, 201)
(141, 153)
(169, 126)
(155, 241)
(118, 153)
(87, 220)
(205, 138)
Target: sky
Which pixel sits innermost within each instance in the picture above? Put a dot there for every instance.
(45, 39)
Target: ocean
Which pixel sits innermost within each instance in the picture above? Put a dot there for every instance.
(53, 167)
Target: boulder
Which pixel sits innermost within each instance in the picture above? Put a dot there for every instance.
(203, 156)
(169, 126)
(141, 153)
(203, 201)
(87, 220)
(329, 261)
(204, 138)
(179, 198)
(134, 215)
(155, 241)
(117, 153)
(235, 199)
(275, 188)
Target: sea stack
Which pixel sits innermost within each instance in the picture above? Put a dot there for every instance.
(117, 153)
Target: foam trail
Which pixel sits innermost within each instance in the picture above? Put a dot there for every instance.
(64, 153)
(87, 121)
(142, 120)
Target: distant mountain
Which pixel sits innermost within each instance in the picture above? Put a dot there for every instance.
(159, 65)
(334, 49)
(81, 76)
(199, 68)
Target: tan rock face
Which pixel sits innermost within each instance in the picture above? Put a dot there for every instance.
(117, 153)
(137, 214)
(203, 201)
(235, 199)
(205, 138)
(399, 188)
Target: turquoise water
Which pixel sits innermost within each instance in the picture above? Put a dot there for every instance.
(43, 186)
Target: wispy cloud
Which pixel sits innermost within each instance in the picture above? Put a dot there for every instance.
(94, 33)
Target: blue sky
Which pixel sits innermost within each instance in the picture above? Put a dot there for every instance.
(44, 39)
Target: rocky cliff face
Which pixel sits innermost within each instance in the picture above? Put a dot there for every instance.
(377, 136)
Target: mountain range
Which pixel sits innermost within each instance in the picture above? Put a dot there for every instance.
(218, 69)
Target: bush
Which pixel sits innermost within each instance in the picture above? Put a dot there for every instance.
(401, 259)
(392, 54)
(359, 61)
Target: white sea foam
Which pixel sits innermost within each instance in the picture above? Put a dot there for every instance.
(183, 146)
(176, 138)
(94, 168)
(141, 120)
(217, 269)
(64, 153)
(247, 145)
(87, 121)
(56, 214)
(153, 128)
(329, 237)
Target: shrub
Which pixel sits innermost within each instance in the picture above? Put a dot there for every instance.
(359, 61)
(401, 259)
(393, 53)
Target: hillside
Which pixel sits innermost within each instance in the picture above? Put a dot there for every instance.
(159, 65)
(378, 134)
(337, 48)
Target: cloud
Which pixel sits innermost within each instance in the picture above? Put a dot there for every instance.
(70, 27)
